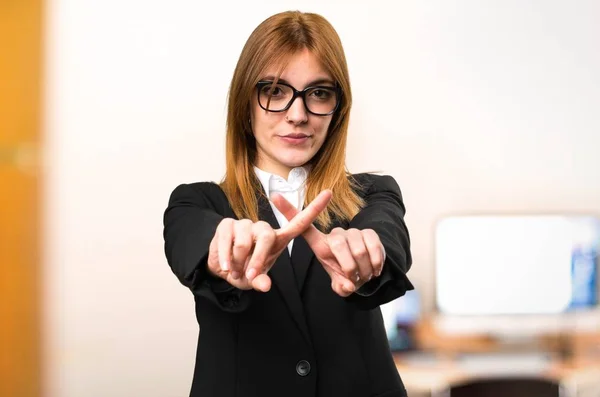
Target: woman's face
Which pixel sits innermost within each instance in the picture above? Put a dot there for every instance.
(291, 138)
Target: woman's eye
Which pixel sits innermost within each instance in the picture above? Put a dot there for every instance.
(273, 91)
(321, 93)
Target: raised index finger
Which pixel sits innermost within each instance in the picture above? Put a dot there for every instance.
(299, 222)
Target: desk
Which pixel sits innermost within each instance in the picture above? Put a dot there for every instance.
(436, 374)
(574, 361)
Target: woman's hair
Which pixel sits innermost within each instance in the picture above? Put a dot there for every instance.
(272, 43)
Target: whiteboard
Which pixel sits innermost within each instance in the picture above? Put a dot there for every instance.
(488, 265)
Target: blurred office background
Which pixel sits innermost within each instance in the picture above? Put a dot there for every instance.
(486, 108)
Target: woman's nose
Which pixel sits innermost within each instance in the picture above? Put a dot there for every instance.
(297, 113)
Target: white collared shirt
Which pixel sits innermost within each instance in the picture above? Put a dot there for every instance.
(293, 189)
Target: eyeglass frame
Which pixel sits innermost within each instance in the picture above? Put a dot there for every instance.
(301, 94)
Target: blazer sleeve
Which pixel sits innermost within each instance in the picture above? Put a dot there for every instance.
(384, 213)
(193, 213)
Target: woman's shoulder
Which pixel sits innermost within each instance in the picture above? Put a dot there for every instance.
(203, 187)
(368, 182)
(202, 190)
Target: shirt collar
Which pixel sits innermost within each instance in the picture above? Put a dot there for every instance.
(274, 183)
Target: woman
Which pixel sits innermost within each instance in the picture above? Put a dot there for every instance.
(290, 257)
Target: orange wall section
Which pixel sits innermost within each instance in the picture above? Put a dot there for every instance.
(20, 136)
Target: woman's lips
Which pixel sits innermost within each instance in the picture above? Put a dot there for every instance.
(295, 139)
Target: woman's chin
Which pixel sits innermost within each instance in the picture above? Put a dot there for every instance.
(295, 162)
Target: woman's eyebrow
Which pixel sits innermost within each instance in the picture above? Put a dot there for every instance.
(322, 80)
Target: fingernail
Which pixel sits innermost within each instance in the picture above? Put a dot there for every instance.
(250, 274)
(225, 266)
(235, 275)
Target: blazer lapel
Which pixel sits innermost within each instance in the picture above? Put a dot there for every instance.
(301, 259)
(303, 255)
(282, 273)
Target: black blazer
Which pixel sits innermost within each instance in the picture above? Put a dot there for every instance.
(300, 338)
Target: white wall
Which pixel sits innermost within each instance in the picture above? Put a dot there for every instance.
(474, 106)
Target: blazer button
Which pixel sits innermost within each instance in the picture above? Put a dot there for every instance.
(303, 368)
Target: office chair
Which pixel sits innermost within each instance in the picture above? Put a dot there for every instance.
(505, 387)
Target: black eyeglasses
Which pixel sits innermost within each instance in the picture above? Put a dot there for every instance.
(318, 100)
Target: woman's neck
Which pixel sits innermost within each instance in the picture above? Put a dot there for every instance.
(275, 169)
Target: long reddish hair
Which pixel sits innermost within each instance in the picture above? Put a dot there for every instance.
(272, 43)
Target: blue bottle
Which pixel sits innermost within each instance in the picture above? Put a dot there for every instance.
(584, 273)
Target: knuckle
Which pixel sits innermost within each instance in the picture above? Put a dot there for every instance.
(371, 235)
(359, 252)
(260, 228)
(267, 235)
(337, 241)
(225, 223)
(243, 244)
(371, 245)
(244, 223)
(260, 225)
(266, 225)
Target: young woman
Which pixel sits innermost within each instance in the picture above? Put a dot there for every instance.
(290, 256)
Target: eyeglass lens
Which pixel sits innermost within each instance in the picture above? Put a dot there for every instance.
(319, 100)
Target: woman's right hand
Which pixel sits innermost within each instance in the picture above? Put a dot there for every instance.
(242, 252)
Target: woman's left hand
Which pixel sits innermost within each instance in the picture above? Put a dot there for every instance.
(351, 257)
(357, 254)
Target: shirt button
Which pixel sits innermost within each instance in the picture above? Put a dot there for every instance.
(303, 368)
